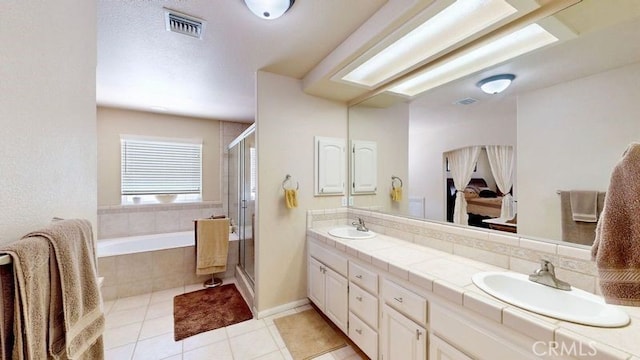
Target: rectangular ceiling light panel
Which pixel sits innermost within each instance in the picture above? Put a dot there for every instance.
(507, 47)
(453, 24)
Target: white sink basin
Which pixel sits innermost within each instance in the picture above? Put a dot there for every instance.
(351, 233)
(574, 305)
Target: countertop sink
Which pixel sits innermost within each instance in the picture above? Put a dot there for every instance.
(348, 232)
(575, 305)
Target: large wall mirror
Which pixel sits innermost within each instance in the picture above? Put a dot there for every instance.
(570, 113)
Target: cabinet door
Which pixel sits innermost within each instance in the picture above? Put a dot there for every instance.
(330, 166)
(336, 299)
(402, 339)
(441, 350)
(315, 275)
(364, 170)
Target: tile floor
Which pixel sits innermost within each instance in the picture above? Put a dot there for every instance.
(141, 327)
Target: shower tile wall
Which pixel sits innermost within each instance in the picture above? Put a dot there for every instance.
(131, 220)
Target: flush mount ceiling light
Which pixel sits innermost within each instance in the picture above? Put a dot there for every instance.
(496, 84)
(269, 9)
(453, 24)
(520, 42)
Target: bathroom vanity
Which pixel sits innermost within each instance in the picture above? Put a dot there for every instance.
(396, 299)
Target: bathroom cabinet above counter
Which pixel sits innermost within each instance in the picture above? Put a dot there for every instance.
(429, 296)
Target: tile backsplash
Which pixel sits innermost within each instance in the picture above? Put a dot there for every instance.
(509, 251)
(131, 220)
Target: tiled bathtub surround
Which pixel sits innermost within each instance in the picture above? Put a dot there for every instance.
(131, 220)
(509, 251)
(140, 273)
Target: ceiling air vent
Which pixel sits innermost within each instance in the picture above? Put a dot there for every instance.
(465, 101)
(183, 24)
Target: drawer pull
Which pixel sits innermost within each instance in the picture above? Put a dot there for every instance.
(359, 298)
(398, 299)
(418, 333)
(359, 276)
(359, 331)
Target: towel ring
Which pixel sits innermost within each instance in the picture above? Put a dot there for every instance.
(393, 182)
(287, 180)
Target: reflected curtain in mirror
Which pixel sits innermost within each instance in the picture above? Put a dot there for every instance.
(461, 163)
(501, 163)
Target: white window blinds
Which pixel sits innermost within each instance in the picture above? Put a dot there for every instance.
(157, 166)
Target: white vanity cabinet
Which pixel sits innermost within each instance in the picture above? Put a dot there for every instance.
(363, 308)
(327, 284)
(441, 350)
(404, 320)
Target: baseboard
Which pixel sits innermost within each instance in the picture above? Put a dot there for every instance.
(283, 307)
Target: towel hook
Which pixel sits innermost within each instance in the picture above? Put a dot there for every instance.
(287, 179)
(393, 179)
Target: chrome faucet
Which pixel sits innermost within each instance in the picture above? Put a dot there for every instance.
(360, 225)
(546, 275)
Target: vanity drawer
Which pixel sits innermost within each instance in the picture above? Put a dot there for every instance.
(364, 278)
(363, 336)
(364, 305)
(405, 301)
(329, 258)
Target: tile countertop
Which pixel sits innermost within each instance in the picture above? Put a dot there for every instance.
(449, 276)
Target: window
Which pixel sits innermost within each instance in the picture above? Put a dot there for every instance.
(152, 166)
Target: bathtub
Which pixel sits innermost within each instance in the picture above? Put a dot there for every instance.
(137, 265)
(142, 243)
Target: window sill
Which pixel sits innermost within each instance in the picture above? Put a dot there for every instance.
(159, 206)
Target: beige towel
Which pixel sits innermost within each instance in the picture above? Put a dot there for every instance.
(584, 205)
(616, 249)
(577, 232)
(76, 320)
(30, 258)
(212, 245)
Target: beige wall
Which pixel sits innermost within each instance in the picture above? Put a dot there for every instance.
(570, 136)
(389, 128)
(287, 120)
(47, 113)
(114, 122)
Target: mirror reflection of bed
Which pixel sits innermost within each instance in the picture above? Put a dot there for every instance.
(483, 205)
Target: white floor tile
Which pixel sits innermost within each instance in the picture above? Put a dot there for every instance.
(158, 347)
(252, 344)
(203, 339)
(269, 319)
(326, 356)
(286, 354)
(276, 336)
(157, 326)
(124, 352)
(193, 287)
(122, 335)
(107, 305)
(159, 309)
(276, 355)
(124, 317)
(343, 353)
(218, 351)
(174, 357)
(166, 295)
(131, 302)
(245, 327)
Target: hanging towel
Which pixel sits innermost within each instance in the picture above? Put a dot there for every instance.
(212, 245)
(291, 198)
(616, 249)
(76, 319)
(396, 194)
(32, 291)
(584, 205)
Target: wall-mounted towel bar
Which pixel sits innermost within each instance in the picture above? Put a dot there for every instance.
(287, 184)
(5, 259)
(393, 182)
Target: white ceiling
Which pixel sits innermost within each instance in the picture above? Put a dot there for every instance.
(141, 66)
(144, 67)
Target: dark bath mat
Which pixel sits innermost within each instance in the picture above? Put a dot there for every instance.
(208, 309)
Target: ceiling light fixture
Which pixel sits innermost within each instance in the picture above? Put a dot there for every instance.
(453, 24)
(520, 42)
(269, 9)
(496, 84)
